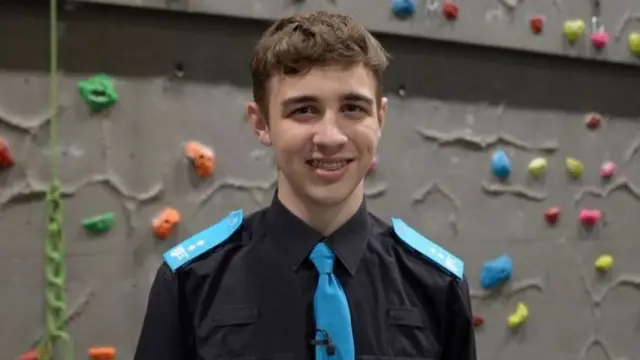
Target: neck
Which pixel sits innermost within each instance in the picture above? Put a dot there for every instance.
(324, 218)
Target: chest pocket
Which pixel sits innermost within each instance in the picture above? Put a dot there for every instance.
(227, 333)
(410, 337)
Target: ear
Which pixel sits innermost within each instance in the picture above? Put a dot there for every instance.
(382, 112)
(258, 123)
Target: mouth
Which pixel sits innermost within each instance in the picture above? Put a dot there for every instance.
(329, 165)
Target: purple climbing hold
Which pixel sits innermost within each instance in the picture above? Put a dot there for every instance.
(495, 272)
(500, 165)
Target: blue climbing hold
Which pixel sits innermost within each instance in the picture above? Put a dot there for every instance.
(500, 164)
(403, 8)
(495, 272)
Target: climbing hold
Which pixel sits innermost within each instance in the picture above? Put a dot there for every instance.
(98, 92)
(552, 214)
(589, 217)
(599, 39)
(519, 316)
(604, 263)
(593, 120)
(102, 353)
(6, 158)
(374, 165)
(29, 355)
(403, 8)
(536, 24)
(573, 29)
(164, 222)
(402, 91)
(202, 158)
(633, 40)
(495, 272)
(477, 320)
(450, 10)
(99, 223)
(537, 166)
(574, 166)
(500, 165)
(608, 169)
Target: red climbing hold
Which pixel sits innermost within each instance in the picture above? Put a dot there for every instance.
(608, 169)
(552, 214)
(536, 23)
(29, 355)
(477, 320)
(450, 9)
(593, 120)
(6, 159)
(590, 217)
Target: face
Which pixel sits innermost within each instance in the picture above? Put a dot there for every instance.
(324, 128)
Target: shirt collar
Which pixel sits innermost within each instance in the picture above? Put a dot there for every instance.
(296, 238)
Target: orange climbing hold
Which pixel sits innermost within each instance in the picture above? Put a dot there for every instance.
(102, 353)
(164, 222)
(6, 159)
(202, 158)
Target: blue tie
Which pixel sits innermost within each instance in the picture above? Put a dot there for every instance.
(331, 309)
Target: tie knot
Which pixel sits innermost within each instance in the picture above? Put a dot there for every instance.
(323, 258)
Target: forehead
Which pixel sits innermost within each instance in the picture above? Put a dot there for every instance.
(323, 82)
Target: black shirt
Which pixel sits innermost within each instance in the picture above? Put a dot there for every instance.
(252, 296)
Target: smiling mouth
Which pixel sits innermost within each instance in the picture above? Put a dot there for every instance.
(328, 165)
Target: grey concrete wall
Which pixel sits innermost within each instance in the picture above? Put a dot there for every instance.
(495, 23)
(129, 161)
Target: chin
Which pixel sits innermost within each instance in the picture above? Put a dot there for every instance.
(330, 195)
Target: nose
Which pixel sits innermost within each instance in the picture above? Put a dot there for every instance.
(328, 134)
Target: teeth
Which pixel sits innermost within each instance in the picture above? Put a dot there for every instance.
(328, 165)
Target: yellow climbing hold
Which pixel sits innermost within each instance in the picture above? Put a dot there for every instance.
(574, 166)
(519, 316)
(604, 262)
(537, 166)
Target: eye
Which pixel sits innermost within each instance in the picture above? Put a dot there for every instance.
(303, 111)
(353, 108)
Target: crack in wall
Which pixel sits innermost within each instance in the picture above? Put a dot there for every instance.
(511, 290)
(467, 139)
(423, 193)
(622, 183)
(31, 126)
(516, 190)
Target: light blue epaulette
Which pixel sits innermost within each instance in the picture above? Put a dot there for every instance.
(207, 239)
(428, 248)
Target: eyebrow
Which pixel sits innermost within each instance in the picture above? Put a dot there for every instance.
(350, 96)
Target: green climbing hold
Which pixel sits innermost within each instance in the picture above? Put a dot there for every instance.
(98, 92)
(99, 223)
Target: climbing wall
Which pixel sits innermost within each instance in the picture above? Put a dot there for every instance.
(524, 166)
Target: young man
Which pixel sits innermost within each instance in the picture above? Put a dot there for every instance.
(314, 275)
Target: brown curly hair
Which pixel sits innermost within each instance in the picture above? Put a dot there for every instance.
(294, 45)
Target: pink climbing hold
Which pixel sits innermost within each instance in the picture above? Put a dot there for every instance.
(589, 217)
(599, 39)
(608, 169)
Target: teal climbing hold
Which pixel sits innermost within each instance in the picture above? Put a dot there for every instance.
(403, 8)
(98, 92)
(500, 165)
(99, 223)
(495, 272)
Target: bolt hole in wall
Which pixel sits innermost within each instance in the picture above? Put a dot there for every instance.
(540, 195)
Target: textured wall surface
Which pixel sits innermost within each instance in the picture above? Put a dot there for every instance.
(461, 104)
(499, 23)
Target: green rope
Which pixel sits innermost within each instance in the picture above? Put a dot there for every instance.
(55, 267)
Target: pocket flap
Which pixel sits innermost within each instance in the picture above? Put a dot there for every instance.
(235, 315)
(405, 316)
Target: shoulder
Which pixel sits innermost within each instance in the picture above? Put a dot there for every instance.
(230, 229)
(426, 250)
